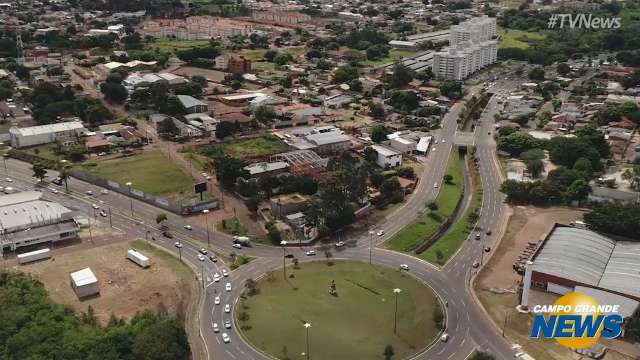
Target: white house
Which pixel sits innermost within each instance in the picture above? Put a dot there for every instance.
(44, 134)
(387, 157)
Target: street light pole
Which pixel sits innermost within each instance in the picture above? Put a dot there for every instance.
(4, 157)
(206, 219)
(307, 326)
(396, 291)
(130, 198)
(370, 245)
(283, 243)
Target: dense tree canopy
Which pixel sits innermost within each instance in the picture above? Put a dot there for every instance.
(615, 218)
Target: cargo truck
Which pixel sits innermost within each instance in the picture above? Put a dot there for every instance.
(138, 258)
(34, 256)
(242, 240)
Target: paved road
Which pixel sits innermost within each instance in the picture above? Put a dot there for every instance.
(466, 324)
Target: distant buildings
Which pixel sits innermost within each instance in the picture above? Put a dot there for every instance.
(387, 157)
(193, 105)
(280, 17)
(44, 134)
(471, 48)
(233, 63)
(194, 28)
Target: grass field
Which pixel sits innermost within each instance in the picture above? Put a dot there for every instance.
(262, 146)
(144, 171)
(355, 324)
(44, 151)
(171, 46)
(394, 54)
(231, 226)
(425, 226)
(517, 38)
(458, 233)
(181, 269)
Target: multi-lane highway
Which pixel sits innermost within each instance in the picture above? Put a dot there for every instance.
(466, 324)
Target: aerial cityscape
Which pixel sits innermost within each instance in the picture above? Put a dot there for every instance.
(320, 179)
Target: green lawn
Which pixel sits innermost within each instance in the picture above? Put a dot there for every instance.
(355, 324)
(447, 245)
(262, 146)
(171, 46)
(425, 226)
(151, 172)
(393, 55)
(45, 151)
(517, 38)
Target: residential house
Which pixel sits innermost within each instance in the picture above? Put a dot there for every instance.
(193, 105)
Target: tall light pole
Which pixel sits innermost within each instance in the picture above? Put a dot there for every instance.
(307, 326)
(179, 246)
(370, 244)
(283, 243)
(396, 291)
(4, 157)
(130, 198)
(206, 219)
(64, 170)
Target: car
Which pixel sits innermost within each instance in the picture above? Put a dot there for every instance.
(226, 338)
(435, 186)
(227, 308)
(96, 207)
(104, 191)
(475, 264)
(216, 300)
(404, 267)
(52, 190)
(201, 257)
(89, 192)
(204, 174)
(9, 180)
(340, 244)
(102, 154)
(103, 213)
(177, 244)
(227, 324)
(444, 141)
(487, 248)
(444, 337)
(57, 181)
(203, 251)
(208, 178)
(216, 277)
(488, 232)
(225, 273)
(236, 246)
(216, 328)
(310, 252)
(213, 258)
(380, 233)
(167, 234)
(433, 149)
(227, 286)
(289, 256)
(477, 236)
(188, 227)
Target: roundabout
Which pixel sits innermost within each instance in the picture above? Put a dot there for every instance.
(351, 309)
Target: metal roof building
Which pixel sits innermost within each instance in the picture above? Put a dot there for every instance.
(571, 258)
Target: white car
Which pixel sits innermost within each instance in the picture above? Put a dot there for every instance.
(433, 149)
(444, 141)
(89, 192)
(201, 257)
(340, 244)
(95, 206)
(204, 174)
(226, 338)
(177, 244)
(188, 227)
(216, 328)
(444, 337)
(227, 308)
(404, 267)
(237, 246)
(216, 277)
(9, 180)
(380, 233)
(311, 253)
(54, 191)
(225, 273)
(104, 191)
(227, 287)
(216, 300)
(435, 186)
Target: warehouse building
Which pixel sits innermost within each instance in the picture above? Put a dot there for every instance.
(26, 219)
(44, 134)
(84, 283)
(573, 259)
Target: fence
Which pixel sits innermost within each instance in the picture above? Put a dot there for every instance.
(161, 202)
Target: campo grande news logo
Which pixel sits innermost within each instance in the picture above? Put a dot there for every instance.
(576, 321)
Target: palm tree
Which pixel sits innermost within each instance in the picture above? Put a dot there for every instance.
(64, 175)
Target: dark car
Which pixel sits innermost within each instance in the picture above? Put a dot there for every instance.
(167, 234)
(289, 256)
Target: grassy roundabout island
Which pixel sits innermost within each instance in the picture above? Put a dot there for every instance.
(356, 323)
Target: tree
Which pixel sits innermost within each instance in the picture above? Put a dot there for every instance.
(432, 205)
(378, 133)
(264, 114)
(447, 178)
(168, 128)
(39, 171)
(451, 89)
(566, 151)
(160, 218)
(114, 92)
(534, 167)
(388, 352)
(480, 355)
(401, 76)
(376, 110)
(345, 73)
(563, 69)
(228, 170)
(282, 58)
(391, 190)
(406, 172)
(615, 218)
(536, 74)
(225, 128)
(632, 327)
(370, 154)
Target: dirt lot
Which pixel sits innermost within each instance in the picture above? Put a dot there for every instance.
(125, 288)
(527, 224)
(211, 75)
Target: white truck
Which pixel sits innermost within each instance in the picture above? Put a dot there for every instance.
(34, 255)
(138, 258)
(242, 240)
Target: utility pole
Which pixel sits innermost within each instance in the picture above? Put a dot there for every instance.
(396, 291)
(370, 245)
(307, 326)
(110, 220)
(283, 243)
(130, 198)
(206, 219)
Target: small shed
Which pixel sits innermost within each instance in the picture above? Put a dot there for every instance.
(84, 283)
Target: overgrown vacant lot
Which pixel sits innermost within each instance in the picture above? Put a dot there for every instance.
(355, 324)
(151, 172)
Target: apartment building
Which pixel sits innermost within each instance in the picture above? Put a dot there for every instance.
(195, 28)
(280, 17)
